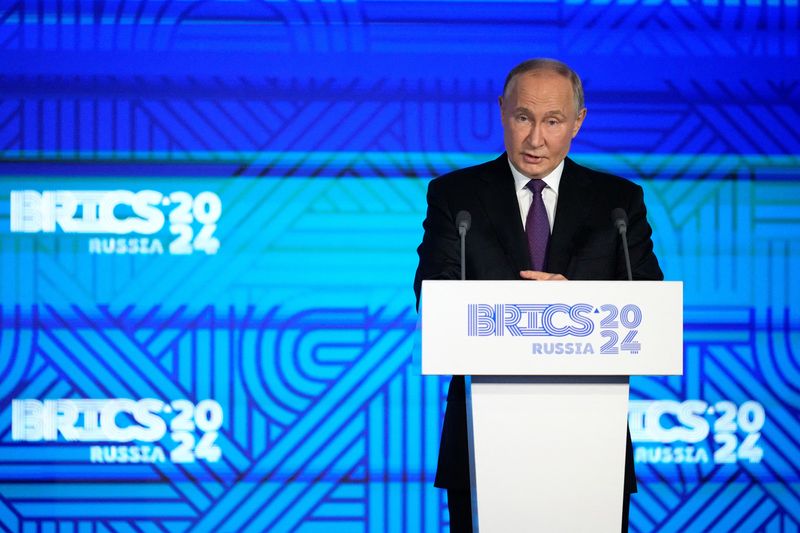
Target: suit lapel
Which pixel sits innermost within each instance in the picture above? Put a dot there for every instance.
(573, 197)
(499, 199)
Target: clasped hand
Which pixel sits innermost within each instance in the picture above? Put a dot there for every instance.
(541, 276)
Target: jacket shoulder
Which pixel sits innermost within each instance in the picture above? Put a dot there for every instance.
(458, 178)
(602, 180)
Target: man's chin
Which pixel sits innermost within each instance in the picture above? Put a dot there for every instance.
(534, 170)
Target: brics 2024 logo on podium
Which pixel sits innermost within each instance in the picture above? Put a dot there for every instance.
(124, 430)
(131, 222)
(614, 327)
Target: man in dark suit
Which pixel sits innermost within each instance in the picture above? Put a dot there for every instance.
(536, 215)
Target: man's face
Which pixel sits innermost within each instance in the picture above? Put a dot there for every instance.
(539, 121)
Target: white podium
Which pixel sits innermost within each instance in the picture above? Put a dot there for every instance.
(547, 366)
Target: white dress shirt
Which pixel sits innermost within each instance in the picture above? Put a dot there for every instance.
(549, 193)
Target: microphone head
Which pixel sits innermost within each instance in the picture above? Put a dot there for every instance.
(620, 218)
(463, 220)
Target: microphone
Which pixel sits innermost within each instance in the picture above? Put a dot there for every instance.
(463, 223)
(620, 219)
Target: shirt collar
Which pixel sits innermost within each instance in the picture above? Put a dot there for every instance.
(552, 180)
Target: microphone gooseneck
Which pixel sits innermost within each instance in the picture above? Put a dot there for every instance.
(463, 223)
(620, 219)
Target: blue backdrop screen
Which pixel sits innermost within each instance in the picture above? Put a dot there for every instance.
(208, 220)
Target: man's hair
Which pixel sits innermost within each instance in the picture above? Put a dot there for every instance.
(553, 65)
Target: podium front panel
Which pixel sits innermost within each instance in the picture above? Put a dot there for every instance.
(552, 328)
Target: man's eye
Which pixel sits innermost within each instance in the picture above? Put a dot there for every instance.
(552, 122)
(522, 118)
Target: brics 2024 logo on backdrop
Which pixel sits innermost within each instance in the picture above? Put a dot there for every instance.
(133, 218)
(126, 430)
(693, 431)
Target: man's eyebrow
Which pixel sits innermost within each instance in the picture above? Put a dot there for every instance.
(553, 113)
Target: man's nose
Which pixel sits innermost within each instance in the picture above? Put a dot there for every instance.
(535, 135)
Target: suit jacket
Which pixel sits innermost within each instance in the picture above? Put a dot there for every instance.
(584, 245)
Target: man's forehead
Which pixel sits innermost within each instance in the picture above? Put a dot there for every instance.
(541, 88)
(540, 76)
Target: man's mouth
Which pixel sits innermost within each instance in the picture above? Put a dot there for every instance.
(530, 158)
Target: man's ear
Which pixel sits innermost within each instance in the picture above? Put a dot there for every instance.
(500, 105)
(579, 122)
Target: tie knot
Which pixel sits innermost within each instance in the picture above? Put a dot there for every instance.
(537, 186)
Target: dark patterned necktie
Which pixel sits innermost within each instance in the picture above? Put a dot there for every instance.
(537, 226)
